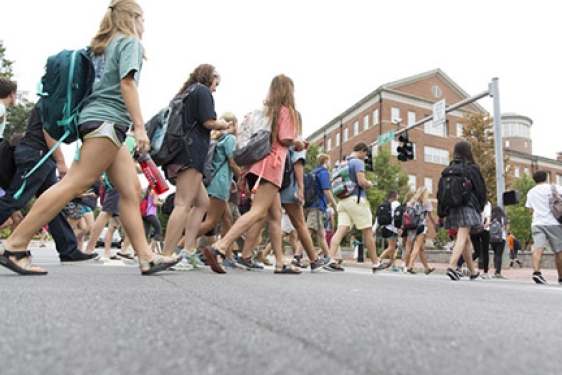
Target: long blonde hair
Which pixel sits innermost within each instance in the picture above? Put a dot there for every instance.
(119, 18)
(281, 93)
(421, 196)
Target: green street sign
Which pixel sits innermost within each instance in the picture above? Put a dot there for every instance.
(385, 138)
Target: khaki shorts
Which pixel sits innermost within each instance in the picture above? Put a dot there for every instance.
(545, 235)
(351, 213)
(314, 218)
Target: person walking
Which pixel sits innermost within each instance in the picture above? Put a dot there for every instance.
(150, 220)
(466, 217)
(545, 229)
(481, 242)
(355, 210)
(266, 177)
(498, 243)
(514, 247)
(186, 169)
(389, 232)
(103, 123)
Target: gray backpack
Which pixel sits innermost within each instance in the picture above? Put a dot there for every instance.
(496, 230)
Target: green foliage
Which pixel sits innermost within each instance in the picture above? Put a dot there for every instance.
(311, 154)
(519, 216)
(441, 238)
(5, 64)
(388, 176)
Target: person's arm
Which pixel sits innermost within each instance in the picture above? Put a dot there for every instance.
(331, 200)
(362, 181)
(213, 124)
(131, 99)
(298, 169)
(57, 154)
(234, 167)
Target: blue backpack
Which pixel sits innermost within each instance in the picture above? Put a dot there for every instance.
(65, 86)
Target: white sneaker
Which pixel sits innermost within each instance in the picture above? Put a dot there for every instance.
(485, 276)
(181, 266)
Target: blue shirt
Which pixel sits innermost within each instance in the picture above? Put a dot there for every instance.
(356, 166)
(322, 183)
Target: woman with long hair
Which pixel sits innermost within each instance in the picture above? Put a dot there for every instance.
(498, 214)
(186, 169)
(109, 111)
(268, 174)
(464, 218)
(417, 236)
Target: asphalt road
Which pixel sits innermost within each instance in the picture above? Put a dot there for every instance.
(109, 320)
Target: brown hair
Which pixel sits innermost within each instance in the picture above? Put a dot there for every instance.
(204, 74)
(119, 18)
(361, 146)
(281, 94)
(7, 87)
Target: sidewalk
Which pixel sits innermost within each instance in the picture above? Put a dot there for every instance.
(514, 273)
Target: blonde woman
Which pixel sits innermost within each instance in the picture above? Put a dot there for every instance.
(417, 236)
(108, 113)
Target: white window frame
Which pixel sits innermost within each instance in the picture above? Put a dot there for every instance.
(356, 128)
(393, 146)
(411, 117)
(345, 134)
(436, 155)
(412, 182)
(338, 139)
(394, 114)
(375, 116)
(460, 127)
(328, 144)
(365, 122)
(428, 183)
(559, 179)
(440, 131)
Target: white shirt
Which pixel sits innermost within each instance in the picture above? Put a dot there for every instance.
(3, 123)
(486, 214)
(538, 198)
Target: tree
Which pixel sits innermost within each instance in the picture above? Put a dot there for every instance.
(17, 114)
(519, 216)
(312, 152)
(478, 131)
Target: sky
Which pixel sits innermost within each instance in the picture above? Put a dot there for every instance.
(337, 52)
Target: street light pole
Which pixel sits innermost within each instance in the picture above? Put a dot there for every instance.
(498, 142)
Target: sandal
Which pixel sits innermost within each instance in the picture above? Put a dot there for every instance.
(429, 270)
(27, 269)
(127, 256)
(212, 255)
(157, 264)
(287, 269)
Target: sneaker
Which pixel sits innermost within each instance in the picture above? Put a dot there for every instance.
(182, 266)
(81, 258)
(485, 276)
(559, 281)
(498, 276)
(520, 264)
(381, 266)
(193, 258)
(227, 263)
(334, 267)
(248, 264)
(538, 278)
(462, 272)
(453, 274)
(319, 264)
(475, 276)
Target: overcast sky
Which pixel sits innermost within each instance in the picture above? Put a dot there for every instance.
(337, 52)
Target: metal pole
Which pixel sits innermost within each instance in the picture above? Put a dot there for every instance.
(500, 174)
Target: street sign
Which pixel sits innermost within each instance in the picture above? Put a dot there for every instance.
(439, 113)
(385, 137)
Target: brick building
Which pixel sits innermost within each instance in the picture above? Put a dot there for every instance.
(395, 105)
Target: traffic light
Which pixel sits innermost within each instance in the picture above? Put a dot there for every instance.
(405, 149)
(369, 162)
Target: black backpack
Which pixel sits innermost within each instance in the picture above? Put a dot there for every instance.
(454, 187)
(384, 213)
(495, 229)
(399, 216)
(311, 188)
(166, 130)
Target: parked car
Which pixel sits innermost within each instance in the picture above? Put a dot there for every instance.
(115, 241)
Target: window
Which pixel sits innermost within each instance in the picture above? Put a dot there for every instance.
(507, 143)
(356, 128)
(439, 130)
(337, 139)
(428, 183)
(516, 172)
(411, 118)
(375, 117)
(459, 130)
(412, 182)
(526, 171)
(525, 144)
(393, 145)
(366, 122)
(559, 179)
(436, 155)
(516, 129)
(345, 134)
(329, 144)
(394, 114)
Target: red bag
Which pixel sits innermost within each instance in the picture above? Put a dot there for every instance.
(143, 207)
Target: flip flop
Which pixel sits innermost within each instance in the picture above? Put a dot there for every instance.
(212, 254)
(11, 265)
(157, 265)
(127, 256)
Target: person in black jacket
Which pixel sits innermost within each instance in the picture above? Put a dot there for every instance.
(466, 218)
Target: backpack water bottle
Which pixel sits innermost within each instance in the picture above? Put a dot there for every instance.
(153, 175)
